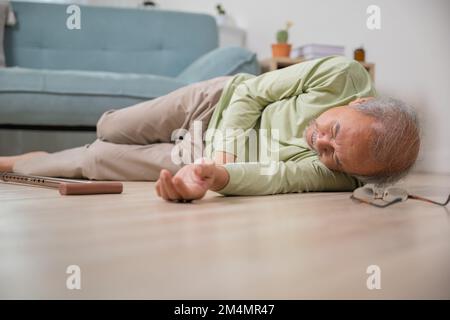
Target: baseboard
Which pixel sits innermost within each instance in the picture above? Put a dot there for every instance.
(47, 127)
(19, 141)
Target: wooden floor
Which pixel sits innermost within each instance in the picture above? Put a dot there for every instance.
(293, 246)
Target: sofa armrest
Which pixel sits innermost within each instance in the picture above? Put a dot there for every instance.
(221, 62)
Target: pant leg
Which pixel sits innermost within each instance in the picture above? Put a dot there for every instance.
(104, 161)
(134, 143)
(156, 120)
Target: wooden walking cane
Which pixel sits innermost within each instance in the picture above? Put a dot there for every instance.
(65, 186)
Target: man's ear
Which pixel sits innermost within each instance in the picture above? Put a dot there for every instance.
(360, 100)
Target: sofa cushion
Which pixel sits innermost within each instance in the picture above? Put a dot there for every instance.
(221, 61)
(86, 82)
(112, 39)
(47, 97)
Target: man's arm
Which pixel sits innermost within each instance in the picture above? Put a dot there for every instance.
(253, 95)
(284, 177)
(193, 181)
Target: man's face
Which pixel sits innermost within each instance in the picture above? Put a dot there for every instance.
(341, 137)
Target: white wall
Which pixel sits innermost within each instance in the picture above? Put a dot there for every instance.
(411, 51)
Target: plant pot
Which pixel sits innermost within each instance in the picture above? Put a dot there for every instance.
(281, 50)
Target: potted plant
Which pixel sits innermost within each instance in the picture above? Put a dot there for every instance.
(282, 48)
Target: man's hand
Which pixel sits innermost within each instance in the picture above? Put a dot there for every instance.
(191, 182)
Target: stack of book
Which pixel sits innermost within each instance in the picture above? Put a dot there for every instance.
(313, 51)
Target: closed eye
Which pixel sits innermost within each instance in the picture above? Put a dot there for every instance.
(337, 127)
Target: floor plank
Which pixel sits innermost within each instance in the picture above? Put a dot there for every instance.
(134, 245)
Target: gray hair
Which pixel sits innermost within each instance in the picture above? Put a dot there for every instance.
(396, 138)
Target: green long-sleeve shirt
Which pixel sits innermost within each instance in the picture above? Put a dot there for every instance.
(286, 101)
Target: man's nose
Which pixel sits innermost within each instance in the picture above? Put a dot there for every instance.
(323, 144)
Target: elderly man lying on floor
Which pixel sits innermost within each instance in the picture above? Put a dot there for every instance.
(314, 126)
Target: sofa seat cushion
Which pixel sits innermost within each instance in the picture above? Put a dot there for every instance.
(55, 97)
(18, 79)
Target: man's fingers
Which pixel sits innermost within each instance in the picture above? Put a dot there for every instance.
(163, 192)
(166, 182)
(182, 189)
(162, 189)
(157, 187)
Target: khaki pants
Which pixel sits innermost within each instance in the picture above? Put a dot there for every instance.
(134, 143)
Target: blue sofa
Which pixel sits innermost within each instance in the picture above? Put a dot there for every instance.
(61, 80)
